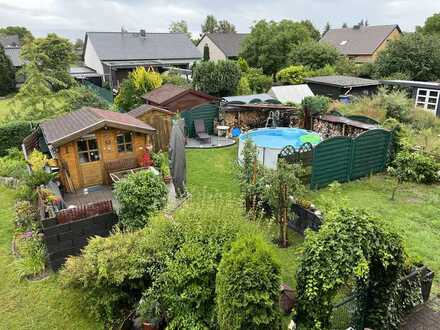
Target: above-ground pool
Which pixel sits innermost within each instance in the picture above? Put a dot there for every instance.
(270, 141)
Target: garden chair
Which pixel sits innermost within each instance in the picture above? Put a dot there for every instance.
(199, 126)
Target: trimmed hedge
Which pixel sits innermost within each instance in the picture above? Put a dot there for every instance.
(12, 135)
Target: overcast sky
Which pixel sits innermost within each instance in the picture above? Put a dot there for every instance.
(71, 18)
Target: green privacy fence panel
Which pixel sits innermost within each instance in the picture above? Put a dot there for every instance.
(331, 161)
(343, 159)
(105, 93)
(370, 153)
(207, 112)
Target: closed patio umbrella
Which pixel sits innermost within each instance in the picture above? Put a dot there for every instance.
(177, 157)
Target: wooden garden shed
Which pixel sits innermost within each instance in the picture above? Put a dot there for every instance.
(84, 142)
(160, 119)
(177, 99)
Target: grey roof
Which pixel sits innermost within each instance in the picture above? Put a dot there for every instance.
(362, 41)
(290, 93)
(342, 81)
(9, 40)
(229, 43)
(14, 56)
(73, 125)
(412, 83)
(114, 46)
(144, 108)
(248, 98)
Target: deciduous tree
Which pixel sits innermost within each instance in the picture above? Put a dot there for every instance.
(7, 74)
(315, 55)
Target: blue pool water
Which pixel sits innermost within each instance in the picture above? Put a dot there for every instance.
(280, 137)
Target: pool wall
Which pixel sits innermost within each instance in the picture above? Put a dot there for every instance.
(268, 156)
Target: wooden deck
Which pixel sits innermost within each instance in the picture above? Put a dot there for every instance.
(216, 142)
(89, 195)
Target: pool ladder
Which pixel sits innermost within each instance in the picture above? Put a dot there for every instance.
(273, 118)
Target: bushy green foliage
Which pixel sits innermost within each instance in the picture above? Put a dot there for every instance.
(188, 249)
(346, 67)
(420, 119)
(7, 74)
(244, 66)
(258, 81)
(175, 79)
(128, 97)
(32, 253)
(314, 55)
(414, 54)
(293, 75)
(219, 78)
(38, 177)
(25, 215)
(396, 104)
(269, 43)
(111, 274)
(243, 87)
(140, 195)
(316, 104)
(12, 135)
(247, 286)
(24, 35)
(401, 135)
(80, 96)
(431, 26)
(415, 167)
(350, 245)
(52, 55)
(13, 164)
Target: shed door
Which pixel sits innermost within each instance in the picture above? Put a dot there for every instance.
(90, 161)
(428, 99)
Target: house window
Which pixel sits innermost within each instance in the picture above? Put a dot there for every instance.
(88, 149)
(427, 99)
(124, 142)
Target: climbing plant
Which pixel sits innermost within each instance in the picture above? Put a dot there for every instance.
(351, 247)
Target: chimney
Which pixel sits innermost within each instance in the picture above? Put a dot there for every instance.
(143, 33)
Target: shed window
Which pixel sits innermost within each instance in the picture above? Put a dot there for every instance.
(88, 149)
(124, 142)
(428, 99)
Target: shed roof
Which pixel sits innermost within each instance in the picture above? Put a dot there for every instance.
(290, 93)
(412, 83)
(358, 41)
(342, 81)
(247, 98)
(114, 46)
(73, 125)
(169, 92)
(229, 43)
(145, 108)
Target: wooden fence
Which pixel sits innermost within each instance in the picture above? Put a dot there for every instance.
(344, 159)
(84, 211)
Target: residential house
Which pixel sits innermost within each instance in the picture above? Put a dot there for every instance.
(175, 98)
(290, 93)
(337, 86)
(83, 142)
(222, 46)
(114, 54)
(11, 44)
(364, 43)
(426, 95)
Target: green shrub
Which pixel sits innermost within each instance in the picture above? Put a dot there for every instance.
(25, 193)
(422, 119)
(247, 286)
(396, 103)
(12, 135)
(38, 178)
(175, 79)
(7, 74)
(258, 81)
(401, 135)
(219, 78)
(316, 104)
(243, 87)
(140, 196)
(12, 168)
(293, 75)
(415, 167)
(25, 215)
(314, 55)
(32, 253)
(111, 274)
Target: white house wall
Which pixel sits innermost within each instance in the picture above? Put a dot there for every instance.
(215, 53)
(91, 58)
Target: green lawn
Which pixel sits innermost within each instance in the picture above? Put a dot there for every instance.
(45, 305)
(415, 213)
